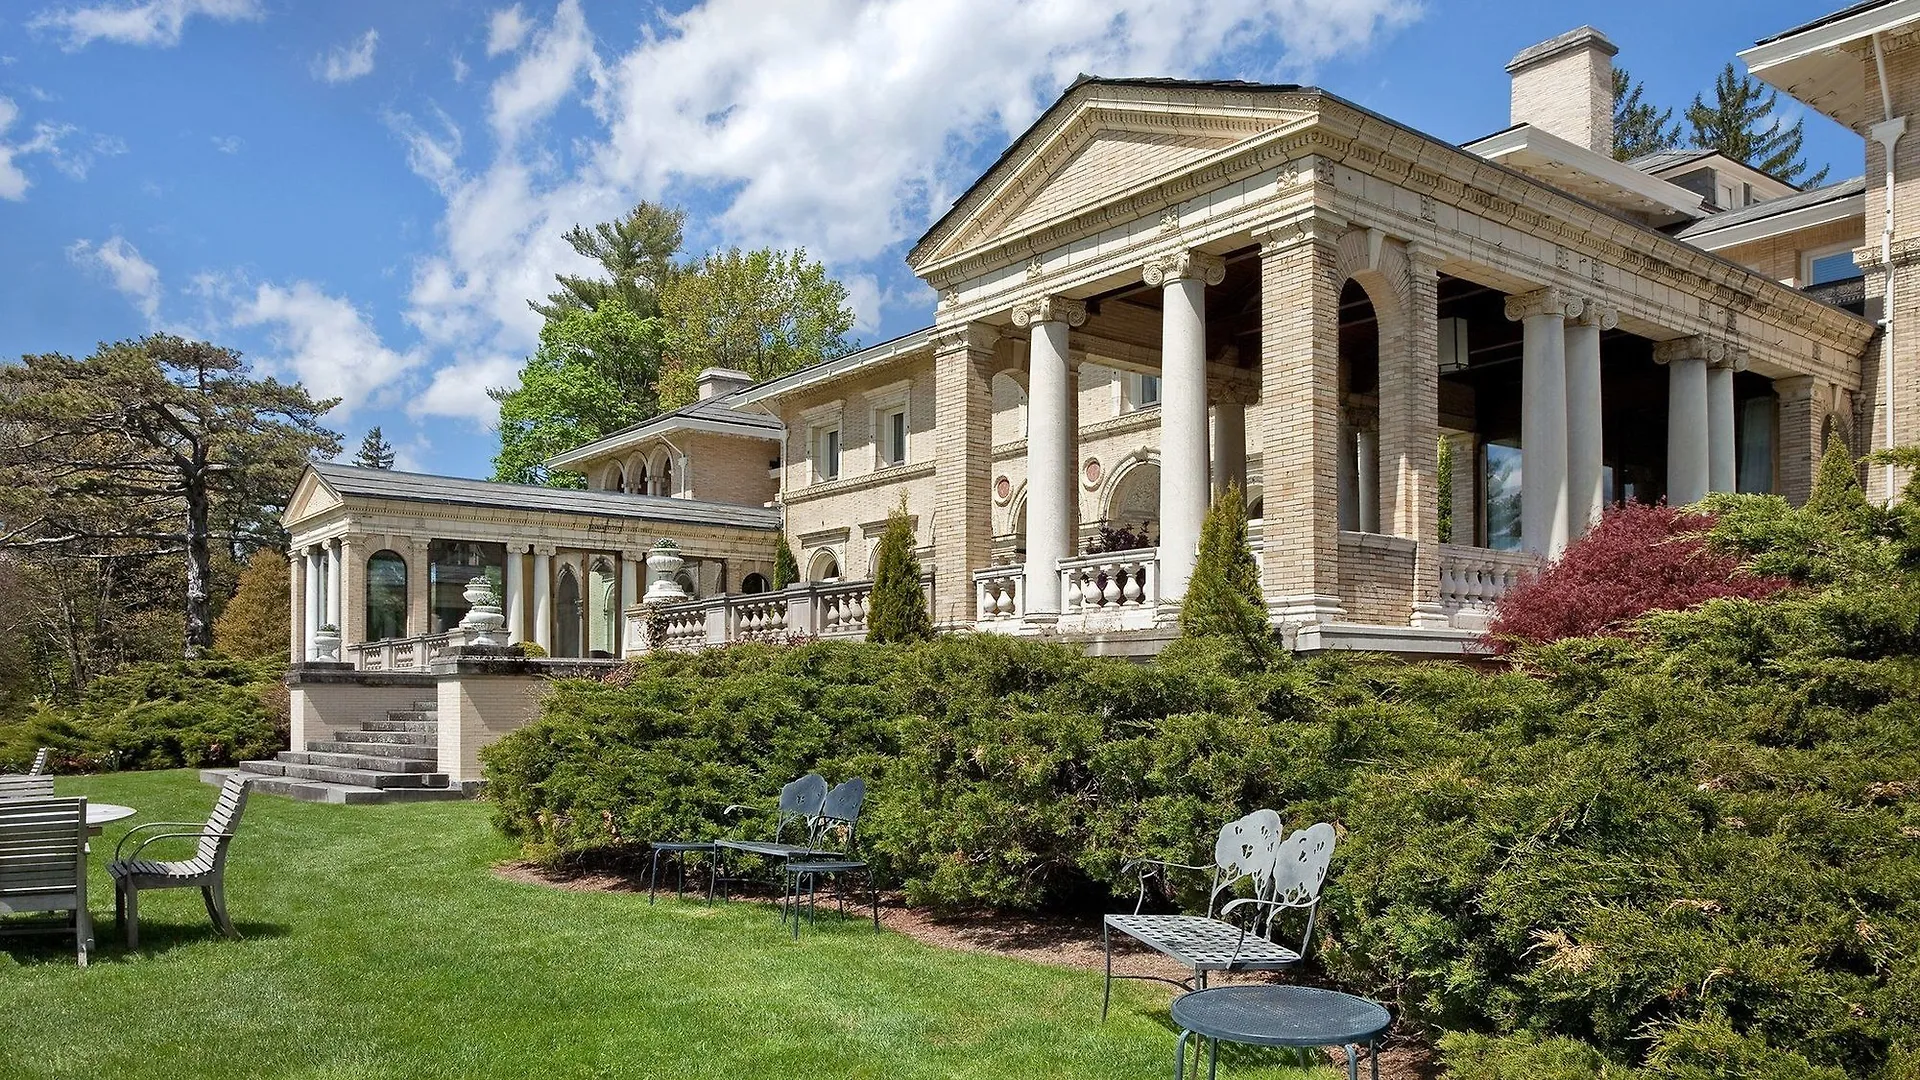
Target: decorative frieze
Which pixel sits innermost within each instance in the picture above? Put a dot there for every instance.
(1182, 265)
(1043, 309)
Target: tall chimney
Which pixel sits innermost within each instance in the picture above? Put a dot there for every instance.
(1564, 87)
(714, 381)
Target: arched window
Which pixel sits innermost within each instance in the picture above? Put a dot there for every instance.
(755, 583)
(386, 596)
(615, 479)
(567, 614)
(603, 596)
(824, 566)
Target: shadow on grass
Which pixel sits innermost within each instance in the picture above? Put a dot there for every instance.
(29, 943)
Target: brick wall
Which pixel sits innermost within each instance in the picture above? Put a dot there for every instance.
(1300, 294)
(1779, 257)
(1376, 578)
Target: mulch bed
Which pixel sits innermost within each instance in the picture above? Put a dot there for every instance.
(1061, 941)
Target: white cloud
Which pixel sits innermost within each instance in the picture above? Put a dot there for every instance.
(13, 182)
(506, 29)
(460, 69)
(326, 343)
(57, 142)
(460, 389)
(227, 144)
(558, 56)
(131, 274)
(152, 22)
(345, 63)
(432, 153)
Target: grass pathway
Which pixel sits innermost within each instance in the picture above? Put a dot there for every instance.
(378, 943)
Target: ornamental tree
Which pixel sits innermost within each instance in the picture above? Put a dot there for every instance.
(1223, 597)
(898, 611)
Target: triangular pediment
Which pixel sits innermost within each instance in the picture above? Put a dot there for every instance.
(1102, 142)
(310, 496)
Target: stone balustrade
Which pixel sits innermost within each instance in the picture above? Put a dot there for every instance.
(841, 609)
(835, 610)
(400, 654)
(757, 617)
(1473, 579)
(1113, 590)
(1000, 593)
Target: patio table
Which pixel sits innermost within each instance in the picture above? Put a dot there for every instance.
(1295, 1016)
(102, 814)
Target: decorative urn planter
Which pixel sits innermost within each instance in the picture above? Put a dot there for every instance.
(484, 621)
(663, 564)
(326, 644)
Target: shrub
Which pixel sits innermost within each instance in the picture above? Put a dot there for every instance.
(1636, 559)
(898, 610)
(1223, 596)
(256, 624)
(159, 715)
(786, 568)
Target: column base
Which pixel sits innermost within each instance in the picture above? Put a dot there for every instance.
(1430, 617)
(1290, 610)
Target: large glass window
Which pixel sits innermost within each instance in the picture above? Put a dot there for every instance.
(450, 565)
(1831, 266)
(386, 596)
(1502, 480)
(1753, 463)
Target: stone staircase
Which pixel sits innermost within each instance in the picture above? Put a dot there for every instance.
(395, 759)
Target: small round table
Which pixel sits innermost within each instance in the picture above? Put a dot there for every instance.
(1296, 1016)
(101, 814)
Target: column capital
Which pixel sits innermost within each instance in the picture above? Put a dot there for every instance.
(1732, 358)
(1314, 224)
(1600, 315)
(1042, 309)
(975, 336)
(1696, 347)
(1239, 390)
(543, 549)
(1183, 265)
(1551, 300)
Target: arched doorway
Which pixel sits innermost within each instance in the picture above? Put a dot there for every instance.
(1359, 409)
(603, 627)
(1132, 517)
(386, 596)
(567, 614)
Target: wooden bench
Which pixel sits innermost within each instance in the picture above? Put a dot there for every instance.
(43, 865)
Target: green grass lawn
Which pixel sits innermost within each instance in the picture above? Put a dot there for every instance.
(378, 943)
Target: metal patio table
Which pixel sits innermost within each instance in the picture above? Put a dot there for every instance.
(1301, 1017)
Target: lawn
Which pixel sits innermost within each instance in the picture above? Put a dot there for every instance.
(378, 943)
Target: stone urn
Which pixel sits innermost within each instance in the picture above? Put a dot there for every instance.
(326, 644)
(663, 567)
(484, 621)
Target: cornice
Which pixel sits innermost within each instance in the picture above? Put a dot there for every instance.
(877, 478)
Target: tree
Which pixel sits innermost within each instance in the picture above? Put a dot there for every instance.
(898, 610)
(375, 451)
(1742, 125)
(1639, 128)
(257, 624)
(154, 447)
(1836, 493)
(763, 312)
(593, 374)
(637, 254)
(1443, 482)
(1223, 596)
(786, 568)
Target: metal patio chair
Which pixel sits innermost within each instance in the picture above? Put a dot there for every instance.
(1285, 874)
(43, 866)
(206, 870)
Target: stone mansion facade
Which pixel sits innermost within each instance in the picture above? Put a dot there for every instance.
(1164, 287)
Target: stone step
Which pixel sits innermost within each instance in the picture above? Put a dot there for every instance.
(417, 716)
(360, 777)
(322, 791)
(264, 768)
(389, 738)
(424, 752)
(428, 726)
(367, 762)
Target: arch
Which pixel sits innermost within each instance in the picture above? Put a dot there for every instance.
(603, 615)
(823, 565)
(386, 597)
(1132, 497)
(1256, 502)
(660, 472)
(1380, 266)
(568, 613)
(755, 583)
(613, 478)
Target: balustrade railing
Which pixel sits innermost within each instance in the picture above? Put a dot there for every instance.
(1473, 579)
(842, 609)
(1113, 583)
(833, 610)
(999, 593)
(757, 617)
(399, 654)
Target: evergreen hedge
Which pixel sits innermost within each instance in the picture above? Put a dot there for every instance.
(1688, 851)
(158, 715)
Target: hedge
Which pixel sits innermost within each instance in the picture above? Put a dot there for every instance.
(158, 715)
(1685, 852)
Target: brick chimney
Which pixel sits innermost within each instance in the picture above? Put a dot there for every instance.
(1564, 87)
(714, 381)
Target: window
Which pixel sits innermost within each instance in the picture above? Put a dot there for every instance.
(386, 596)
(1753, 458)
(1502, 479)
(1831, 264)
(451, 564)
(826, 453)
(755, 583)
(1142, 391)
(892, 440)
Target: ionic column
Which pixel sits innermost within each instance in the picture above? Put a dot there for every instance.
(963, 365)
(1183, 278)
(1544, 516)
(516, 599)
(316, 605)
(1686, 360)
(1366, 447)
(1229, 441)
(333, 589)
(632, 569)
(543, 596)
(297, 593)
(1586, 464)
(1052, 505)
(1721, 449)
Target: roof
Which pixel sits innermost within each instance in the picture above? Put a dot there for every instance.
(351, 480)
(1833, 196)
(826, 370)
(1585, 174)
(1819, 63)
(716, 414)
(1667, 159)
(1847, 12)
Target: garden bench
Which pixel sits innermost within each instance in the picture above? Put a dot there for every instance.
(25, 786)
(826, 823)
(1285, 874)
(206, 870)
(43, 865)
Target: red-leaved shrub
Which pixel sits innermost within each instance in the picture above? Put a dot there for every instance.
(1637, 559)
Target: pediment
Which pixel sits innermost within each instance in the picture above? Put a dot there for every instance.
(1103, 149)
(310, 496)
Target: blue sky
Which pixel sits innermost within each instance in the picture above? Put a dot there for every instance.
(363, 194)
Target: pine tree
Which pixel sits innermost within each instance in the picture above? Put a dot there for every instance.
(375, 451)
(1639, 128)
(1223, 596)
(256, 623)
(1837, 495)
(898, 609)
(786, 568)
(1742, 125)
(1443, 480)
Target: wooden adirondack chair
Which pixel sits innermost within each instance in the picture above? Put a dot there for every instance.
(43, 865)
(206, 870)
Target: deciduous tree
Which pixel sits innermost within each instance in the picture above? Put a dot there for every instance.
(593, 374)
(763, 312)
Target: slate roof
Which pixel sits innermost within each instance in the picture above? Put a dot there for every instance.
(351, 480)
(1759, 211)
(1663, 159)
(1845, 12)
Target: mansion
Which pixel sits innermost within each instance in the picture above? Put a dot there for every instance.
(1164, 287)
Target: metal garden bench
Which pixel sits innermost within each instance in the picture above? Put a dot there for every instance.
(206, 870)
(1285, 874)
(43, 865)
